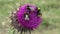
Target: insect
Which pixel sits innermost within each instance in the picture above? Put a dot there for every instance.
(27, 18)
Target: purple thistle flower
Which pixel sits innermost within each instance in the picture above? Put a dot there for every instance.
(28, 17)
(33, 20)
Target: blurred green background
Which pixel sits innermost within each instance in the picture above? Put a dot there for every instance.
(50, 13)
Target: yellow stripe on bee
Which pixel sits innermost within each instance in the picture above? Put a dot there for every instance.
(39, 8)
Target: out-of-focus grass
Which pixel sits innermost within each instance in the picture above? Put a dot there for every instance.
(50, 13)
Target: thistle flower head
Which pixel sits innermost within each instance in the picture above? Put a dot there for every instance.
(27, 16)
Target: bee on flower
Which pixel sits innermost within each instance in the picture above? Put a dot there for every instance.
(27, 18)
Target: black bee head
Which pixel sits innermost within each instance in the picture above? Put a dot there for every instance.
(28, 8)
(38, 11)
